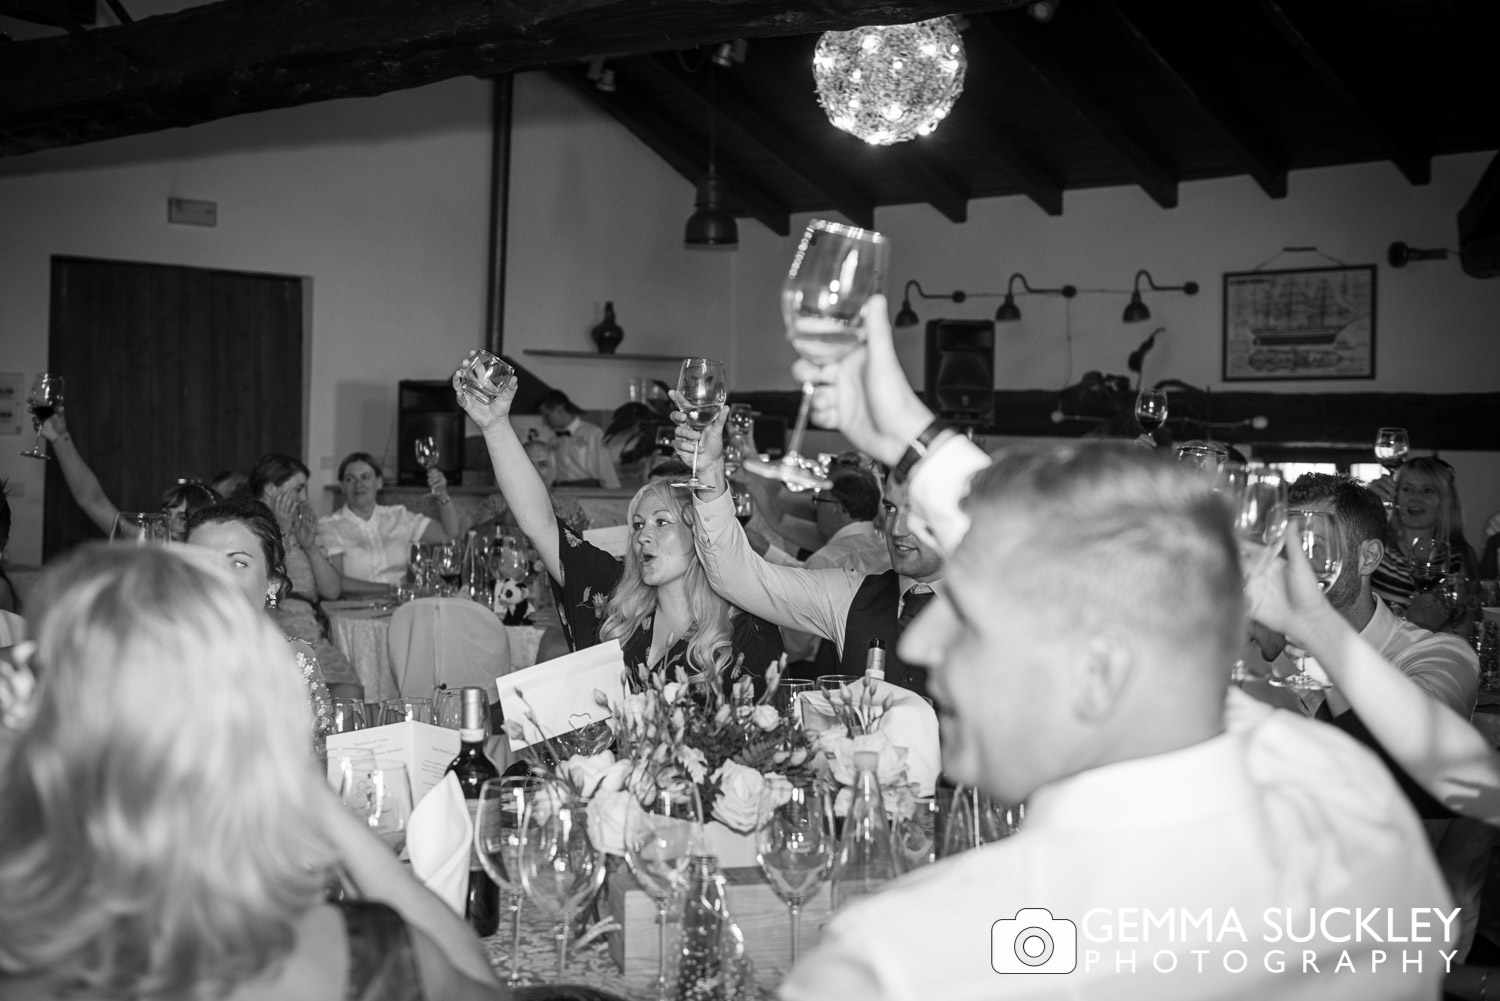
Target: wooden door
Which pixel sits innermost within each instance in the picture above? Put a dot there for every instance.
(171, 372)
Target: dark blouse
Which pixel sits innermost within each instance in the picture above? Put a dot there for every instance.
(589, 578)
(382, 961)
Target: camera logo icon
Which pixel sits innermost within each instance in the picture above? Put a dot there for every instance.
(1034, 942)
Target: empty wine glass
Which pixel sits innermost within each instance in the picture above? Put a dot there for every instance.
(787, 698)
(1317, 532)
(348, 715)
(381, 795)
(1428, 558)
(1151, 409)
(344, 768)
(498, 836)
(140, 528)
(834, 272)
(1391, 446)
(426, 447)
(703, 390)
(485, 375)
(660, 840)
(795, 847)
(399, 710)
(45, 397)
(448, 707)
(560, 867)
(973, 819)
(1257, 500)
(1206, 457)
(510, 559)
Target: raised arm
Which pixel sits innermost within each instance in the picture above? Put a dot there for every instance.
(813, 601)
(1441, 750)
(447, 525)
(81, 481)
(520, 484)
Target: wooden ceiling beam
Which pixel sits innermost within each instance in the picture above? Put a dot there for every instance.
(732, 108)
(1314, 38)
(232, 57)
(936, 188)
(1033, 180)
(1027, 45)
(1149, 33)
(685, 154)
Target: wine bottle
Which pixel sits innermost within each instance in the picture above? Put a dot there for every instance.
(482, 903)
(875, 661)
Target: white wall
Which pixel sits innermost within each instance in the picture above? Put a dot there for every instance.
(382, 204)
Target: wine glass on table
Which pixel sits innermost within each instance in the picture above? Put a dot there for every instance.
(1317, 533)
(795, 845)
(1151, 409)
(560, 867)
(381, 796)
(703, 391)
(45, 397)
(448, 558)
(834, 272)
(426, 447)
(660, 840)
(498, 836)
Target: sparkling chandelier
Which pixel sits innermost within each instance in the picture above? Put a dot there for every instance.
(890, 83)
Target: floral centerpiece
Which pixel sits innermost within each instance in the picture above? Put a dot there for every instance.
(718, 735)
(857, 716)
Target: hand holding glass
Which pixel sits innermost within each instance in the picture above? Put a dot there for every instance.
(835, 271)
(1257, 499)
(485, 376)
(703, 390)
(45, 397)
(140, 528)
(1317, 534)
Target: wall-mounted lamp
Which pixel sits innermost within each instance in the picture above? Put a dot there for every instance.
(1136, 311)
(726, 54)
(907, 317)
(1399, 254)
(603, 77)
(1010, 312)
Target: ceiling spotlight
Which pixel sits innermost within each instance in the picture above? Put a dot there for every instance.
(1044, 10)
(1136, 311)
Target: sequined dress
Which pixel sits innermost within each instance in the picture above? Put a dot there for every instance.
(318, 698)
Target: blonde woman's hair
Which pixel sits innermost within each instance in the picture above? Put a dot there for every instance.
(710, 645)
(159, 832)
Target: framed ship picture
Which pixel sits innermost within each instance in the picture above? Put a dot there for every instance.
(1307, 323)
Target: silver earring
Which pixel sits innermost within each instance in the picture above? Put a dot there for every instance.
(271, 598)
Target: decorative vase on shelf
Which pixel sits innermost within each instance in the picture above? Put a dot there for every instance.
(607, 334)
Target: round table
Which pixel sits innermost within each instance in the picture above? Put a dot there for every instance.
(361, 631)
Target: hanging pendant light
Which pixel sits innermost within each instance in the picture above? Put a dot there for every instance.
(712, 226)
(890, 83)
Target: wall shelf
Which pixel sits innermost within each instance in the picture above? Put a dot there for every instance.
(617, 356)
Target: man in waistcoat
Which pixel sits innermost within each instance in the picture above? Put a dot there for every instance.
(847, 607)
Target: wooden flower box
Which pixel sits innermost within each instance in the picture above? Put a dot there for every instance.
(761, 916)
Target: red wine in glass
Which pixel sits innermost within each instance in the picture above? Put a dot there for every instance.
(43, 412)
(1391, 446)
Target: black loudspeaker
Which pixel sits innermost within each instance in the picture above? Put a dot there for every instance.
(960, 370)
(429, 407)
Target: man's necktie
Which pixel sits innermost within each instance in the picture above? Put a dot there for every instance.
(564, 434)
(916, 600)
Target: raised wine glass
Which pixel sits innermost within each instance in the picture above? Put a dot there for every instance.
(45, 397)
(1317, 532)
(1257, 500)
(498, 836)
(795, 845)
(834, 272)
(560, 867)
(140, 528)
(1428, 558)
(1151, 409)
(703, 390)
(426, 447)
(1391, 446)
(660, 840)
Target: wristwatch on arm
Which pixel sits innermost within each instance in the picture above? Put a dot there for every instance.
(917, 450)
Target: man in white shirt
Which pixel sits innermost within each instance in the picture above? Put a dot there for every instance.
(578, 445)
(1177, 844)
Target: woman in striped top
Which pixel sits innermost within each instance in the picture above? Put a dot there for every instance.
(1425, 506)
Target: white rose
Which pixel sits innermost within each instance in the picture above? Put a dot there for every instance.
(671, 691)
(586, 773)
(635, 707)
(741, 788)
(766, 717)
(609, 818)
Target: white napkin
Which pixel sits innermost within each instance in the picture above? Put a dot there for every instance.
(439, 838)
(910, 723)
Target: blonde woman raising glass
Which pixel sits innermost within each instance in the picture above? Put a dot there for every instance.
(657, 601)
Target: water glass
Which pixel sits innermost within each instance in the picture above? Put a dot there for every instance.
(485, 376)
(795, 847)
(972, 819)
(448, 707)
(348, 715)
(381, 795)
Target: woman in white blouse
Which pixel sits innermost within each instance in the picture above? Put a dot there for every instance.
(368, 543)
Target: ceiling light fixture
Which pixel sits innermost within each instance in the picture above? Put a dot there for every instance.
(890, 83)
(711, 226)
(1136, 311)
(1044, 10)
(1010, 312)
